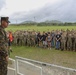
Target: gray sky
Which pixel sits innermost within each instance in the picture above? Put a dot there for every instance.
(2, 4)
(39, 10)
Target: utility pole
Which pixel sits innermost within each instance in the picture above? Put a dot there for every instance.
(34, 19)
(16, 21)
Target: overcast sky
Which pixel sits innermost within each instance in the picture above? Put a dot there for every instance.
(39, 10)
(13, 6)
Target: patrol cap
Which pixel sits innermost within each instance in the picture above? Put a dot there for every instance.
(5, 19)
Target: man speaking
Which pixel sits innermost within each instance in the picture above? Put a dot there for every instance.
(3, 46)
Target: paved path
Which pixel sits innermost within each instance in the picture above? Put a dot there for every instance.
(25, 69)
(11, 72)
(34, 69)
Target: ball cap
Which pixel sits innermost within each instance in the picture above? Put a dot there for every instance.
(5, 19)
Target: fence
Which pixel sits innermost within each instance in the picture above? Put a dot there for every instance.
(12, 67)
(27, 68)
(24, 66)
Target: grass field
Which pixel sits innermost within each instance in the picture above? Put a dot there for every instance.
(62, 58)
(39, 28)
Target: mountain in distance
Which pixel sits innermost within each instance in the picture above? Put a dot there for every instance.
(53, 21)
(27, 22)
(47, 21)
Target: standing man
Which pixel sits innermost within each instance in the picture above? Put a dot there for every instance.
(58, 40)
(3, 46)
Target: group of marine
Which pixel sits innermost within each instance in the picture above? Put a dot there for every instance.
(58, 39)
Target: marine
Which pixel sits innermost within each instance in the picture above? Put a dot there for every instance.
(3, 46)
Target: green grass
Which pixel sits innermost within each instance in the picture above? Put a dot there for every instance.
(62, 58)
(39, 28)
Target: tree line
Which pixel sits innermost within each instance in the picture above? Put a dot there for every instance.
(48, 24)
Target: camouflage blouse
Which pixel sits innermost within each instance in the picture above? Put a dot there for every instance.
(3, 43)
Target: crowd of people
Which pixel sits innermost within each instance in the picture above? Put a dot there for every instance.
(58, 39)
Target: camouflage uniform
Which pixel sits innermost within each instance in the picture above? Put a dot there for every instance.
(63, 40)
(3, 52)
(75, 42)
(28, 39)
(33, 36)
(25, 37)
(20, 39)
(69, 42)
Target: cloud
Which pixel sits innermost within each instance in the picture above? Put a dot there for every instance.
(2, 3)
(63, 10)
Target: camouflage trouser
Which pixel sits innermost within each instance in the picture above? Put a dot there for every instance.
(3, 66)
(75, 45)
(20, 42)
(69, 45)
(28, 42)
(32, 42)
(24, 41)
(15, 41)
(63, 43)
